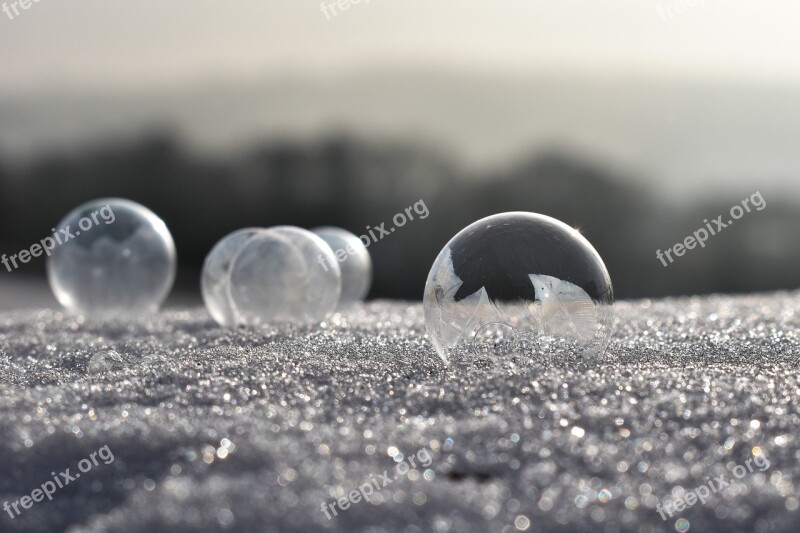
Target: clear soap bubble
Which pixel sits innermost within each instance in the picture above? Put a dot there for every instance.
(522, 284)
(354, 261)
(258, 277)
(113, 257)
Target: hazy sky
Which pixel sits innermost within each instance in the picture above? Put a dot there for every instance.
(94, 43)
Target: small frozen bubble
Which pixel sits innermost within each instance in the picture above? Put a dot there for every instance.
(354, 261)
(278, 276)
(107, 361)
(215, 280)
(111, 360)
(519, 283)
(114, 257)
(494, 338)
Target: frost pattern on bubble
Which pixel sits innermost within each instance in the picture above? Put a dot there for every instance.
(450, 318)
(521, 283)
(563, 309)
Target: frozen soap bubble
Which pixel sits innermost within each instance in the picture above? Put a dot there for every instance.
(354, 261)
(518, 283)
(114, 257)
(258, 277)
(107, 361)
(278, 277)
(215, 280)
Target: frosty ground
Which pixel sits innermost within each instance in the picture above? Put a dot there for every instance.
(242, 431)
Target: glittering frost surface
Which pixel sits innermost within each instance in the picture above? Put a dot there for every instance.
(215, 430)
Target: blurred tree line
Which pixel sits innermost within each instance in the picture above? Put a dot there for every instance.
(355, 184)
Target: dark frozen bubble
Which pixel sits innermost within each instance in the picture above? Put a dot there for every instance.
(526, 282)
